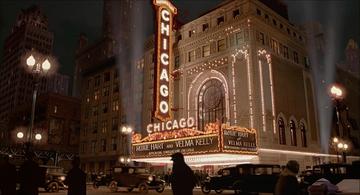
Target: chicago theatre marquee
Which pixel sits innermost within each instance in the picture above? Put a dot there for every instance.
(232, 86)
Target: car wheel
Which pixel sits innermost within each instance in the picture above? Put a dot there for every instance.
(113, 186)
(218, 191)
(130, 189)
(205, 189)
(161, 188)
(53, 187)
(143, 188)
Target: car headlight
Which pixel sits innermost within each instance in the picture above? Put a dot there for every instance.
(62, 178)
(150, 178)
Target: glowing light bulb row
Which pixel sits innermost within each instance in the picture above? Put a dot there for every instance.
(208, 65)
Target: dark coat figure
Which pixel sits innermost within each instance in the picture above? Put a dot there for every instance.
(183, 179)
(76, 179)
(29, 176)
(7, 177)
(287, 183)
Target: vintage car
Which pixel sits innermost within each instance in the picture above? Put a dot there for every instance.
(132, 177)
(102, 180)
(334, 172)
(53, 178)
(244, 178)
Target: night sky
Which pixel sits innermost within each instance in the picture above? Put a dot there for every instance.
(67, 19)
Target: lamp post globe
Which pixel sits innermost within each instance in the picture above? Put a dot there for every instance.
(30, 61)
(38, 137)
(20, 135)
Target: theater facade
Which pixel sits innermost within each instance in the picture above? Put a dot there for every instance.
(240, 90)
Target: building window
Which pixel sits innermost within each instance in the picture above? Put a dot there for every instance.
(239, 38)
(84, 131)
(104, 126)
(97, 81)
(191, 56)
(106, 76)
(261, 38)
(282, 135)
(274, 45)
(205, 26)
(306, 62)
(288, 30)
(55, 109)
(114, 124)
(104, 107)
(179, 38)
(293, 133)
(303, 135)
(258, 12)
(95, 110)
(221, 45)
(116, 74)
(177, 62)
(96, 95)
(88, 84)
(211, 106)
(236, 13)
(274, 22)
(93, 146)
(113, 144)
(220, 20)
(103, 145)
(106, 91)
(296, 57)
(191, 32)
(83, 147)
(206, 50)
(115, 105)
(116, 87)
(95, 127)
(286, 52)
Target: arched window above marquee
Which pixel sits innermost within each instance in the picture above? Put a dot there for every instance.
(211, 103)
(303, 134)
(293, 133)
(281, 128)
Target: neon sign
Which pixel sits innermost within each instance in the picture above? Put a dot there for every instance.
(165, 11)
(171, 125)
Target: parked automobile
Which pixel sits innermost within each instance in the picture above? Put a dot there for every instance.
(132, 177)
(244, 178)
(53, 178)
(102, 180)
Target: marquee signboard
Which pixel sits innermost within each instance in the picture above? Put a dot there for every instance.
(164, 15)
(215, 138)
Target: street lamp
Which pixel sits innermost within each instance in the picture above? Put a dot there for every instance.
(37, 65)
(127, 131)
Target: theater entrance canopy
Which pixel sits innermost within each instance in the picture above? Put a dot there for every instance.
(217, 144)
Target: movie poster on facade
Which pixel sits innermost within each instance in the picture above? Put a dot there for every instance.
(239, 140)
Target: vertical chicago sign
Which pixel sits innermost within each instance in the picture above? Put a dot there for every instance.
(162, 100)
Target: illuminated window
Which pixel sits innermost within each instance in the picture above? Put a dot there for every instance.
(211, 106)
(191, 56)
(293, 133)
(282, 135)
(274, 45)
(221, 45)
(303, 135)
(96, 95)
(104, 126)
(55, 109)
(115, 105)
(206, 50)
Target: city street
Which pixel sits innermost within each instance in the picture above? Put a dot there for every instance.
(104, 190)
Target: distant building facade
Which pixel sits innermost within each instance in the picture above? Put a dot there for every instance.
(57, 119)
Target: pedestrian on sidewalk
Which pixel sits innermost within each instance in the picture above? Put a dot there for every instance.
(183, 179)
(287, 183)
(76, 179)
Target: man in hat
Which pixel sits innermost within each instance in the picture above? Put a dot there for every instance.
(287, 183)
(183, 179)
(76, 179)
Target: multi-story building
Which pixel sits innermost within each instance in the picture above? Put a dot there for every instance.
(103, 81)
(29, 32)
(58, 83)
(244, 64)
(57, 119)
